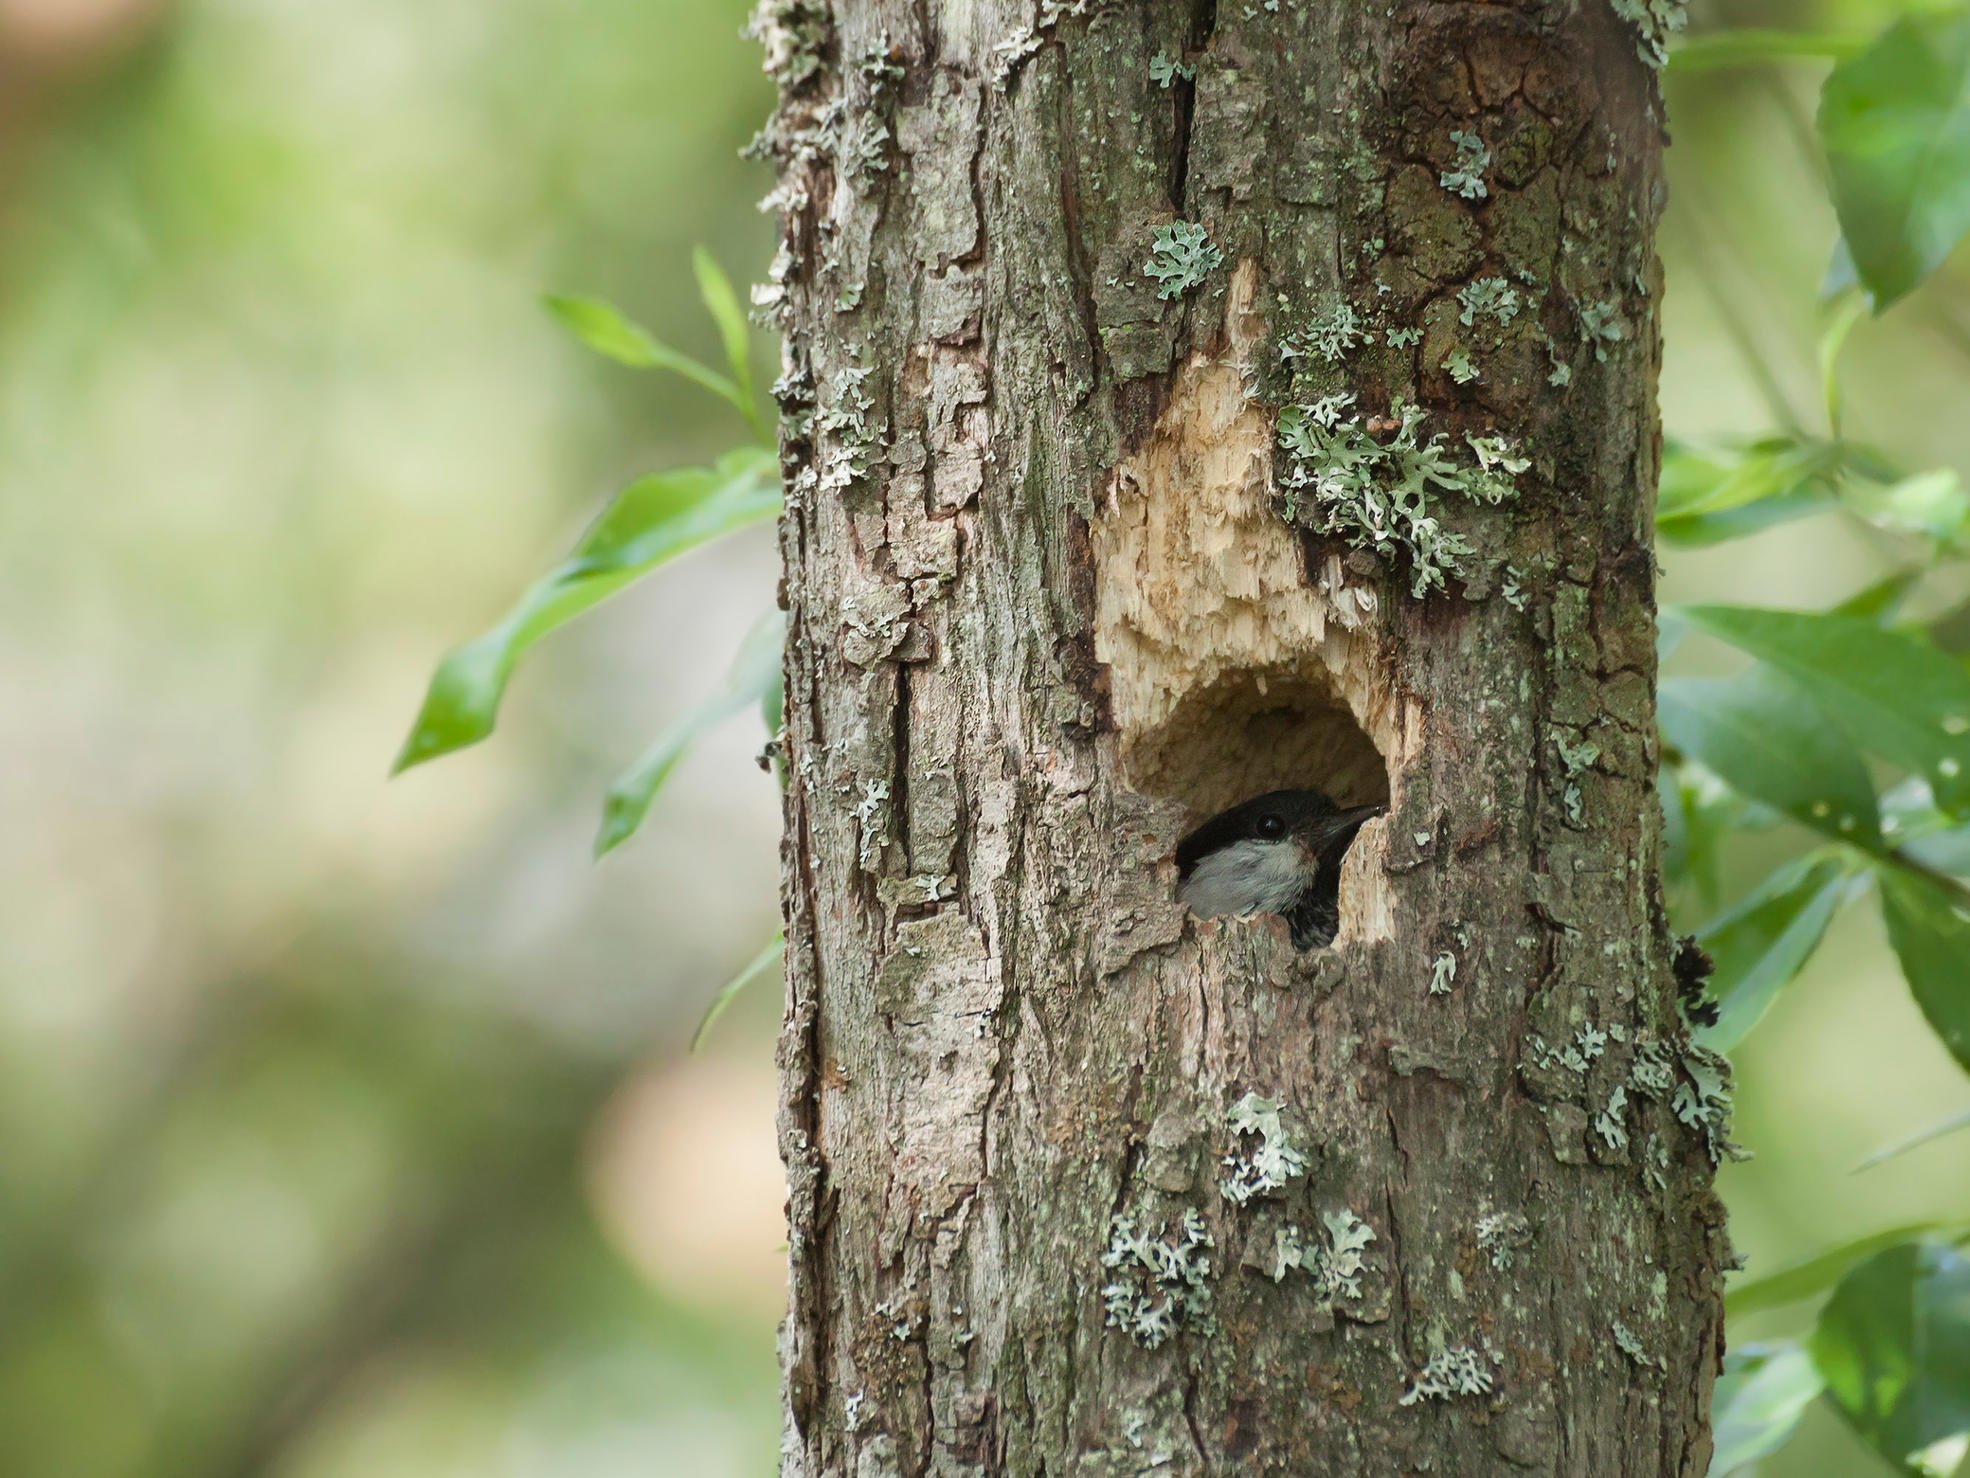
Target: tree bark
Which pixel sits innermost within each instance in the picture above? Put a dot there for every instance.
(1080, 1184)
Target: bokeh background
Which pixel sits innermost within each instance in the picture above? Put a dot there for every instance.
(347, 1128)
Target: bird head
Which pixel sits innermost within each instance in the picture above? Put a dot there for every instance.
(1307, 818)
(1267, 854)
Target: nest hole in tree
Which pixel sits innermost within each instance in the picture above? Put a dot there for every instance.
(1281, 727)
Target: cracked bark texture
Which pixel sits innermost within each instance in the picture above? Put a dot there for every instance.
(1045, 613)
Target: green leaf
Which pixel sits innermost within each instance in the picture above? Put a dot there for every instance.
(773, 703)
(604, 329)
(1761, 944)
(1916, 1140)
(1762, 736)
(1679, 864)
(1702, 530)
(715, 288)
(1813, 1277)
(1895, 124)
(1925, 839)
(1871, 462)
(1930, 505)
(1950, 629)
(1693, 482)
(1749, 46)
(652, 521)
(1893, 1344)
(1759, 1399)
(754, 673)
(1882, 601)
(758, 966)
(1699, 813)
(1929, 926)
(1841, 275)
(1846, 311)
(1894, 694)
(1706, 497)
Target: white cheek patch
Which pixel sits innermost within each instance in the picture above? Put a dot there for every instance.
(1246, 877)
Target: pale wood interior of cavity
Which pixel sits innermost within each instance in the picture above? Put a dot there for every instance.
(1231, 672)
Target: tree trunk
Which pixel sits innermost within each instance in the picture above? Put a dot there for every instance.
(1083, 545)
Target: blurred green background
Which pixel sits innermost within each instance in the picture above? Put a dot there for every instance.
(348, 1127)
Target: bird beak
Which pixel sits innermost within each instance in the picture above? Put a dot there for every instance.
(1342, 825)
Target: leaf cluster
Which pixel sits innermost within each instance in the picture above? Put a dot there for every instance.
(656, 519)
(1847, 733)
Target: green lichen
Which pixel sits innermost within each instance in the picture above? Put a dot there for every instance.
(1181, 257)
(1630, 1344)
(1653, 1072)
(1465, 176)
(1587, 1047)
(1696, 1081)
(1600, 325)
(1271, 1163)
(865, 146)
(1160, 1281)
(1455, 1370)
(881, 64)
(1164, 70)
(872, 816)
(1500, 1234)
(1609, 1122)
(1511, 587)
(863, 141)
(852, 437)
(1443, 974)
(1405, 338)
(1495, 456)
(1336, 1265)
(1575, 760)
(1025, 41)
(901, 1319)
(1655, 21)
(1329, 336)
(793, 392)
(793, 34)
(1703, 1102)
(1488, 297)
(1655, 1163)
(1459, 365)
(1336, 477)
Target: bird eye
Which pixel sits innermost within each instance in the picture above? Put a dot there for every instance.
(1271, 826)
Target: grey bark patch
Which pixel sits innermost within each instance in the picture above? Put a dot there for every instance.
(1527, 1432)
(940, 988)
(1566, 1129)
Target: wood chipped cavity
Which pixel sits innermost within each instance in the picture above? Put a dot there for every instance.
(1231, 672)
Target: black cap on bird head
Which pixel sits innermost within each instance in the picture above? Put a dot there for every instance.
(1309, 815)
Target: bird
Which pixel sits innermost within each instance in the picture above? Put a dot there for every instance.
(1278, 853)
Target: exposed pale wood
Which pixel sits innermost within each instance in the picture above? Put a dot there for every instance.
(1229, 672)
